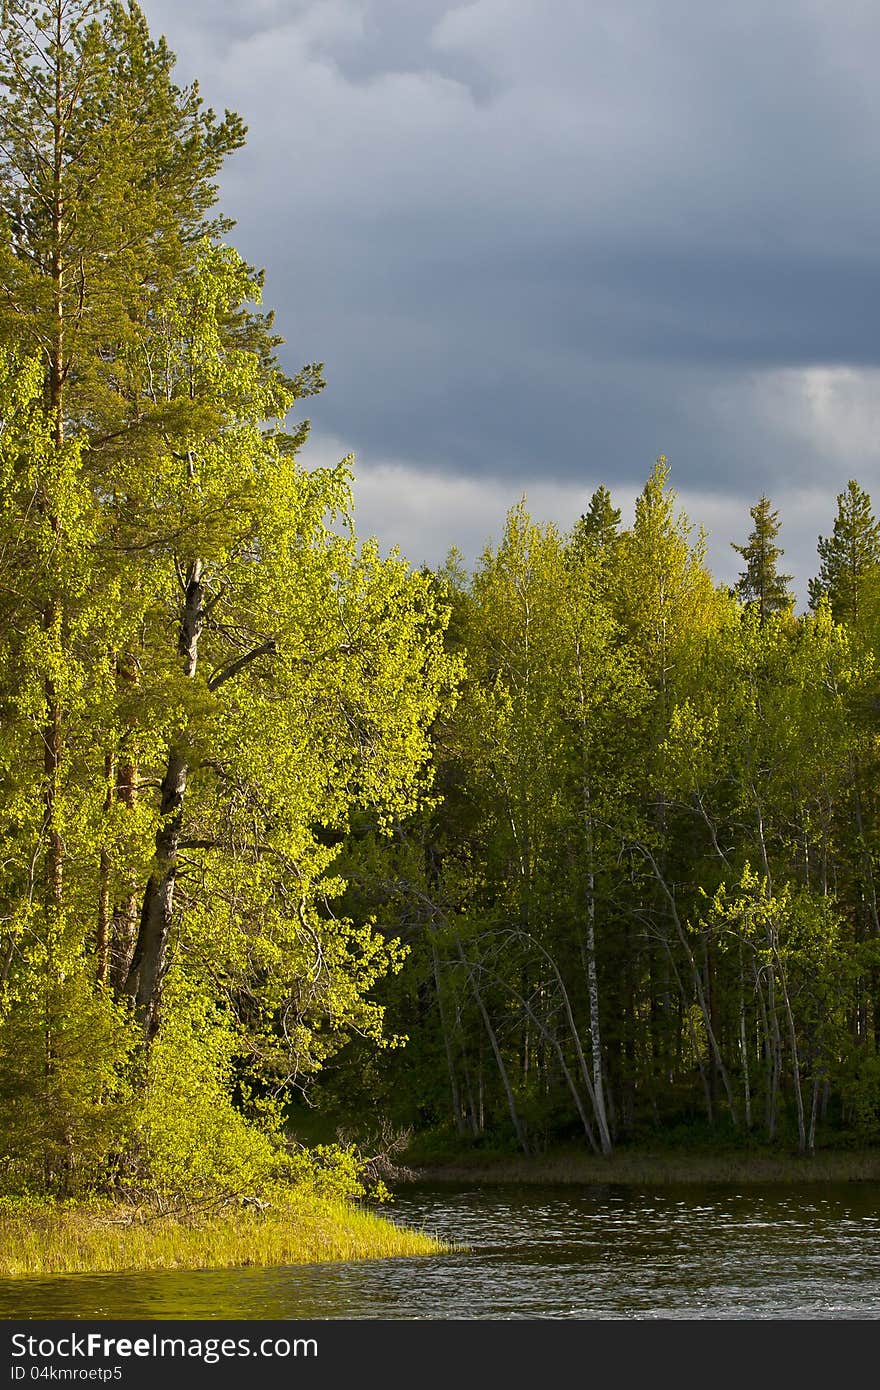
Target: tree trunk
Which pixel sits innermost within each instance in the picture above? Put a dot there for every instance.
(554, 1042)
(593, 982)
(814, 1109)
(714, 1049)
(708, 1095)
(102, 944)
(795, 1062)
(775, 1049)
(447, 1045)
(148, 965)
(493, 1042)
(743, 1042)
(122, 790)
(604, 1136)
(51, 771)
(125, 913)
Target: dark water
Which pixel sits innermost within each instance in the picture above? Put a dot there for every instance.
(546, 1252)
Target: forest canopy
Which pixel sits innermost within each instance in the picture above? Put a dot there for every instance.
(646, 904)
(579, 846)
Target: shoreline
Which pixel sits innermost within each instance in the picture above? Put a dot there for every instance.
(44, 1239)
(650, 1169)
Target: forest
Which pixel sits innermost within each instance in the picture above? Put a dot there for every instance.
(578, 847)
(644, 903)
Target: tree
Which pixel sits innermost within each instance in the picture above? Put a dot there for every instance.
(597, 530)
(797, 962)
(760, 583)
(666, 603)
(849, 555)
(88, 113)
(204, 674)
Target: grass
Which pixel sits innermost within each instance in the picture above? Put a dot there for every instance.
(41, 1237)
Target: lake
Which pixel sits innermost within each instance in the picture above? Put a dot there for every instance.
(810, 1251)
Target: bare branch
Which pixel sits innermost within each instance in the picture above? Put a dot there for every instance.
(227, 672)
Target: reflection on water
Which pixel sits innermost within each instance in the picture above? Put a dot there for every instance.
(546, 1252)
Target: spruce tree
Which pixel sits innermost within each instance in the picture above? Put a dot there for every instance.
(598, 528)
(601, 523)
(848, 555)
(760, 584)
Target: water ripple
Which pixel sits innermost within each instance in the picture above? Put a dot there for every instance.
(545, 1252)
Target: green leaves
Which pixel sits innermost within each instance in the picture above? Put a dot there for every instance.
(655, 864)
(203, 674)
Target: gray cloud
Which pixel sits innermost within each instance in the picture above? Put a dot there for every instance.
(547, 241)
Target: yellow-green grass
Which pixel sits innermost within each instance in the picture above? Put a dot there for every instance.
(96, 1237)
(646, 1169)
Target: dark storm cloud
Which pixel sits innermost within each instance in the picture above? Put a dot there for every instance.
(536, 240)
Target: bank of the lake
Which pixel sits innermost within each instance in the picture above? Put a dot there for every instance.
(40, 1238)
(646, 1168)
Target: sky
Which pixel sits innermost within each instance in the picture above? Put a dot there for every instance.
(538, 243)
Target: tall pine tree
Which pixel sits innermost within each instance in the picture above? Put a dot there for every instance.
(761, 584)
(848, 555)
(597, 530)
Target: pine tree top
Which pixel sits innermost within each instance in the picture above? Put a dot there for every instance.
(760, 584)
(597, 529)
(848, 555)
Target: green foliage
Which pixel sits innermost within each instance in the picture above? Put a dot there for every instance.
(334, 1172)
(596, 533)
(860, 1094)
(189, 1140)
(761, 583)
(654, 868)
(89, 113)
(272, 803)
(66, 1106)
(849, 556)
(205, 677)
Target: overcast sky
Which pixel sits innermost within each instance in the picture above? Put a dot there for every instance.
(539, 242)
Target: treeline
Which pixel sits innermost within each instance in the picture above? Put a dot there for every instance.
(647, 896)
